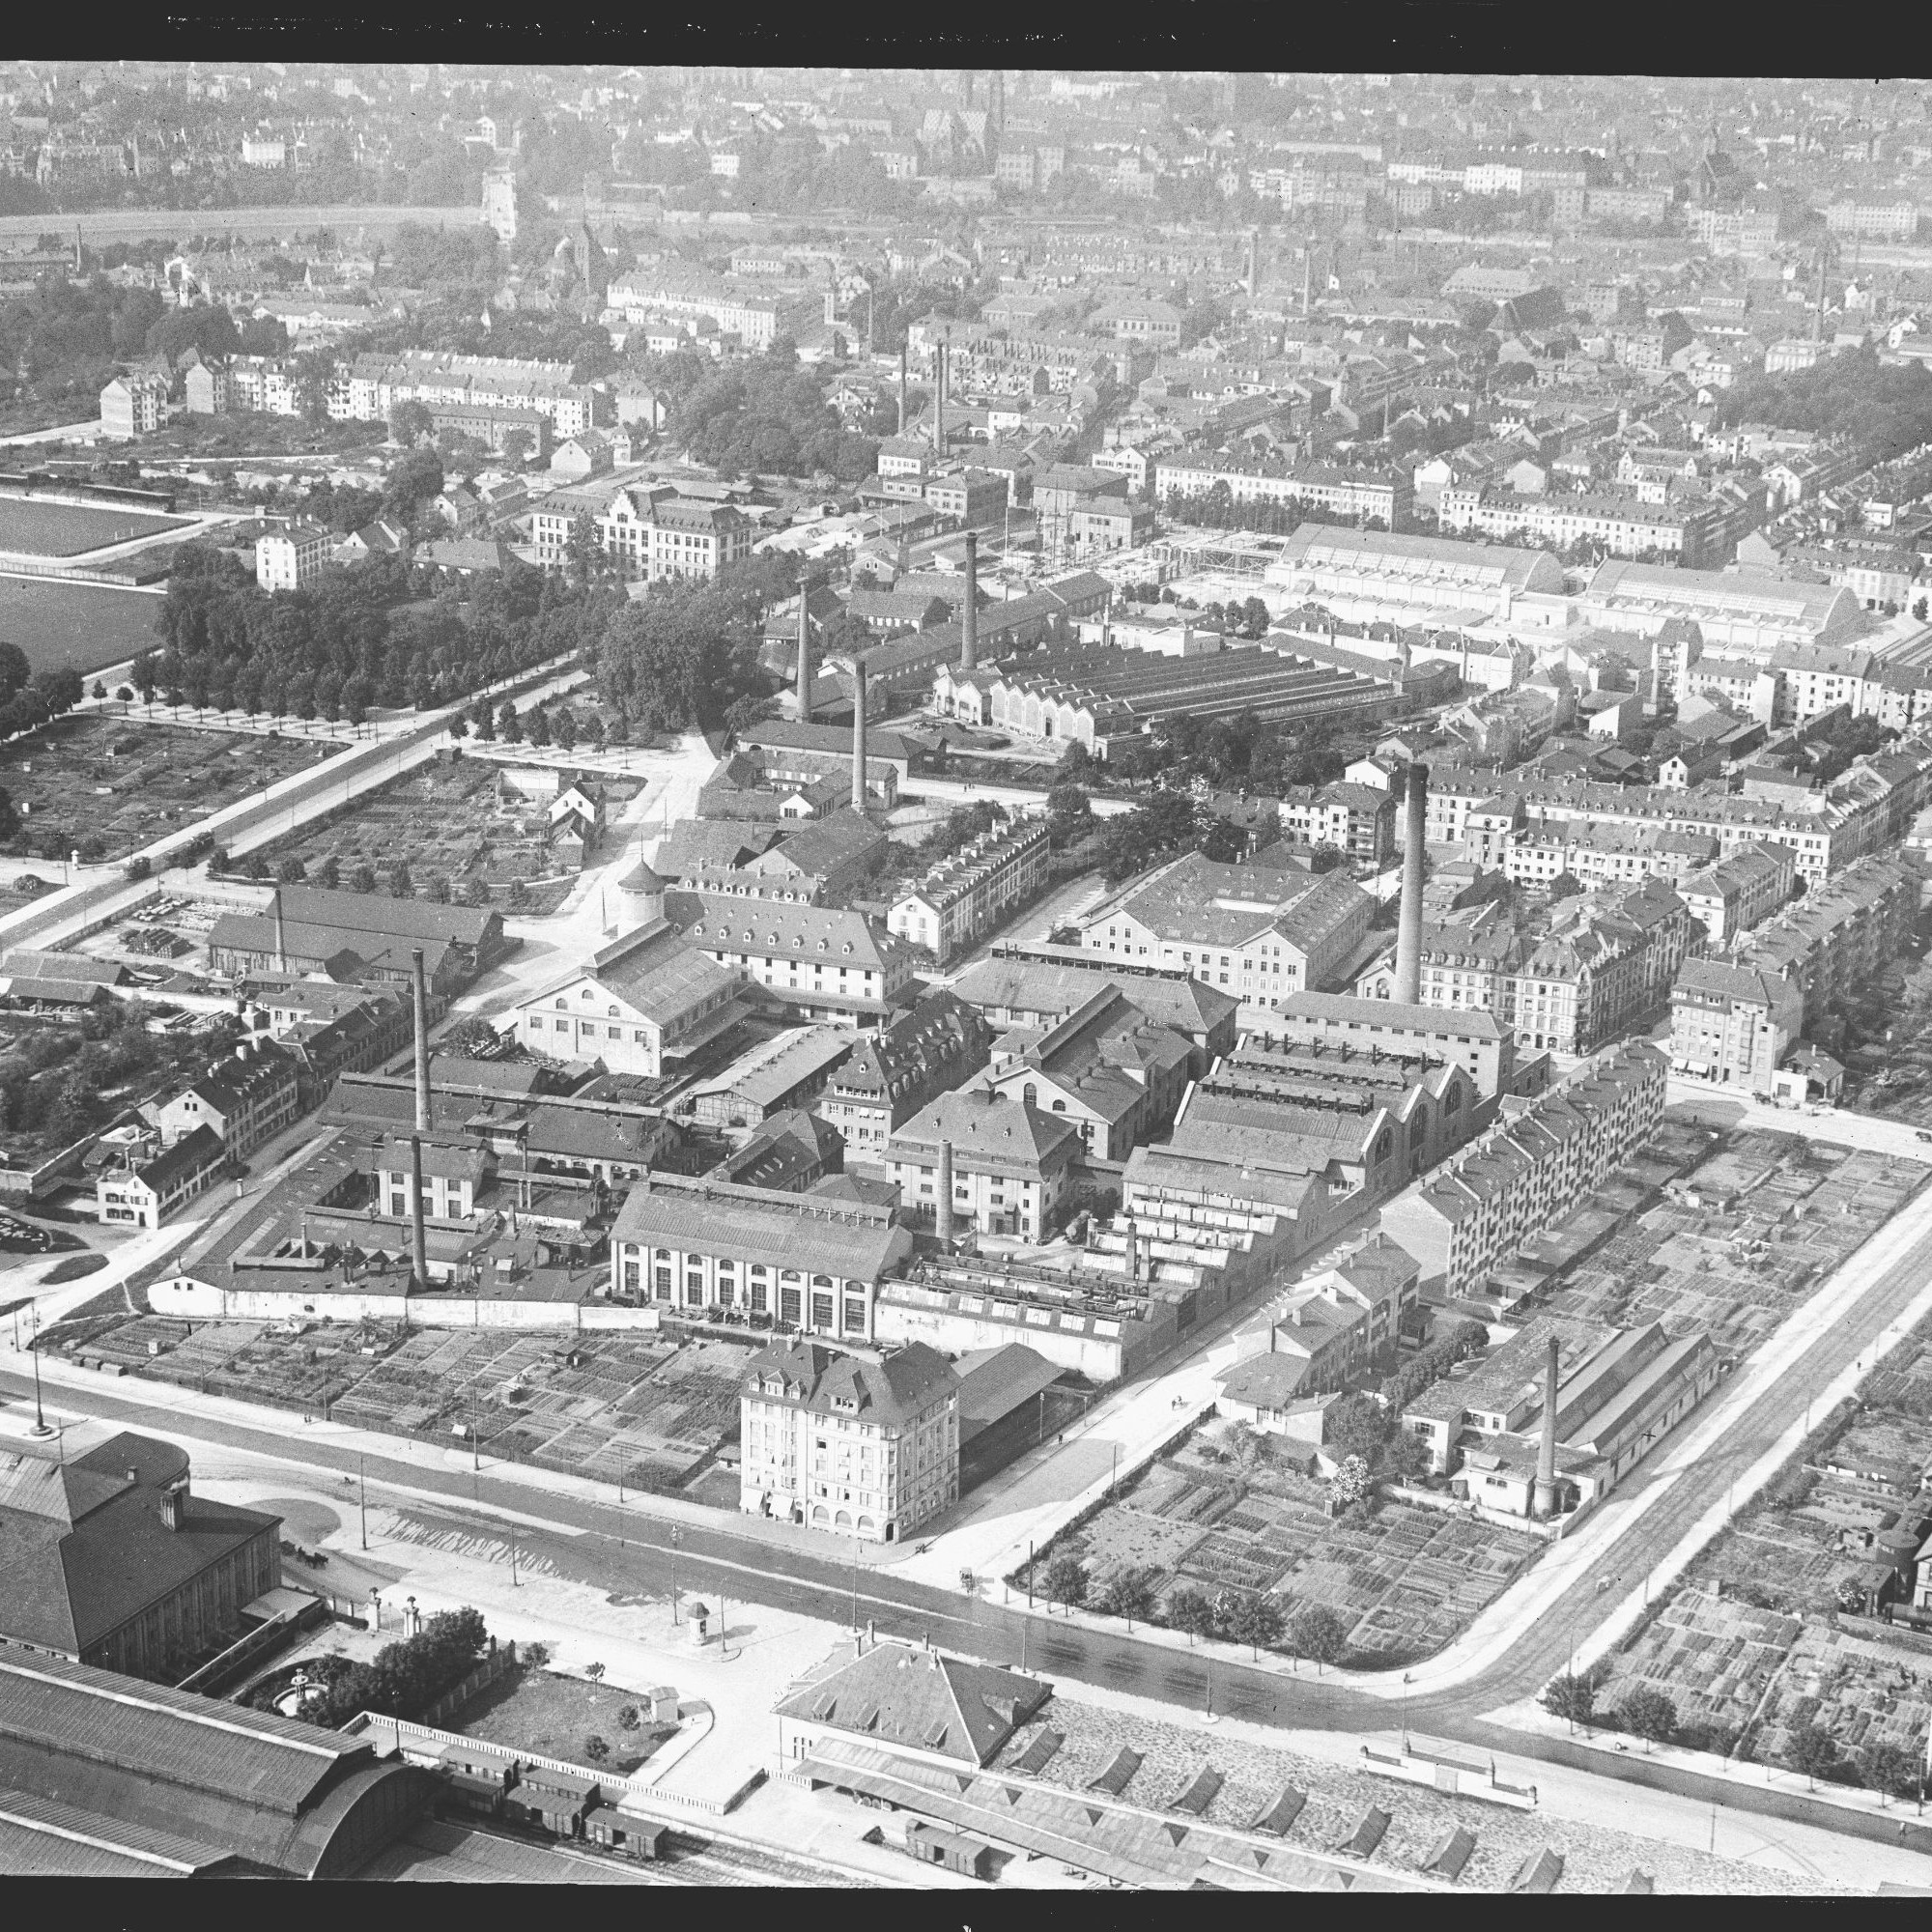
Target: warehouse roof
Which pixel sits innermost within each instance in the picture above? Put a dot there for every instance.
(82, 1545)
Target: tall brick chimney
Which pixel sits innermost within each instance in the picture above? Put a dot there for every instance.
(858, 732)
(968, 617)
(942, 1206)
(1543, 1504)
(805, 672)
(1408, 926)
(418, 1239)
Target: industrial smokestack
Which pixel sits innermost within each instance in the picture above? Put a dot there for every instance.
(805, 671)
(902, 389)
(939, 406)
(418, 1239)
(281, 937)
(858, 732)
(421, 992)
(942, 1206)
(969, 618)
(1409, 927)
(1544, 1502)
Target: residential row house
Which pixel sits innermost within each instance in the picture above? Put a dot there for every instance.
(969, 892)
(1539, 1162)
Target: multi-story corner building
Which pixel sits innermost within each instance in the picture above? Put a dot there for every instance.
(1838, 936)
(1355, 819)
(287, 560)
(1730, 897)
(1733, 1025)
(705, 1249)
(133, 406)
(244, 1100)
(695, 541)
(821, 963)
(854, 1445)
(1528, 1170)
(1011, 1163)
(932, 1049)
(972, 889)
(144, 1193)
(1116, 1074)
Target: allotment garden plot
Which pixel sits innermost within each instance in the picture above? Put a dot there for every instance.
(1405, 1578)
(648, 1410)
(1738, 1239)
(446, 824)
(106, 787)
(1802, 1612)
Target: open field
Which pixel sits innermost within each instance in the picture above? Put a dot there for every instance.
(76, 626)
(87, 778)
(447, 821)
(535, 1711)
(31, 527)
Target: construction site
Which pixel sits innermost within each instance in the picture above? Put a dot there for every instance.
(651, 1414)
(1227, 1510)
(1803, 1611)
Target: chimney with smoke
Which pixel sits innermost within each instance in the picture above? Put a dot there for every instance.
(1408, 926)
(858, 732)
(1543, 1504)
(968, 617)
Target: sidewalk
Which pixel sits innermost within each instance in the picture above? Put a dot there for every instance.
(1530, 1716)
(1832, 1123)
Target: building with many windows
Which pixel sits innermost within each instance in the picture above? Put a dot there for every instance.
(802, 1263)
(858, 1446)
(933, 1048)
(1385, 496)
(972, 889)
(288, 558)
(821, 963)
(1011, 1164)
(1733, 1025)
(133, 406)
(1528, 1170)
(1262, 934)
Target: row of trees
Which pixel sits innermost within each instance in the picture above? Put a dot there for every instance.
(357, 638)
(29, 698)
(1130, 1591)
(1648, 1712)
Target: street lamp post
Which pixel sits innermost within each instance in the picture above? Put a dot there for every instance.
(362, 1494)
(676, 1539)
(1405, 1710)
(39, 1428)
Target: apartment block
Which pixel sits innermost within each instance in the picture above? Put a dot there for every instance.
(1529, 1169)
(972, 889)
